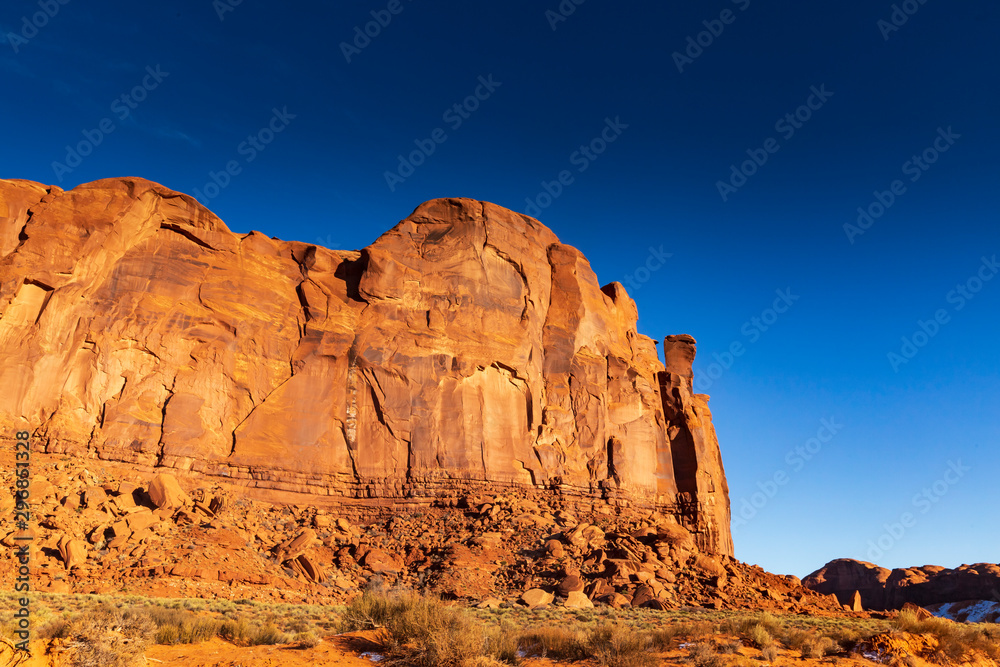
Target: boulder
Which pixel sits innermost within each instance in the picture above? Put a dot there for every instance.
(577, 600)
(537, 597)
(94, 496)
(570, 584)
(586, 536)
(599, 588)
(616, 600)
(309, 568)
(658, 605)
(141, 520)
(489, 603)
(619, 569)
(380, 562)
(73, 552)
(304, 540)
(709, 566)
(555, 548)
(166, 493)
(642, 595)
(675, 536)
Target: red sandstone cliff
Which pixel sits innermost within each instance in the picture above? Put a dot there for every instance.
(465, 347)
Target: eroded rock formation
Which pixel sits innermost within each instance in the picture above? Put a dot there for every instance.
(467, 346)
(881, 588)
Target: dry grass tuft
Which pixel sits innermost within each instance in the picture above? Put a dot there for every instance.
(617, 646)
(555, 642)
(109, 638)
(704, 654)
(955, 640)
(424, 631)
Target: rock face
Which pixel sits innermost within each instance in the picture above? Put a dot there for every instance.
(891, 589)
(465, 347)
(701, 482)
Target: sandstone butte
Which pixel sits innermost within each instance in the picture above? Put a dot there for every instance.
(880, 588)
(467, 348)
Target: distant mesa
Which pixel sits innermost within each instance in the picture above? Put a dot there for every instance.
(969, 589)
(467, 349)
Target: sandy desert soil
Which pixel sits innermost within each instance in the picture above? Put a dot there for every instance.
(359, 650)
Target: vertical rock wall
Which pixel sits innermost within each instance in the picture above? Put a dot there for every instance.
(467, 346)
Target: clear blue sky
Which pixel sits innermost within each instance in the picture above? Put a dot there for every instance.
(879, 97)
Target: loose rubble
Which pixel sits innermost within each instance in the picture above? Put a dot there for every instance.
(101, 527)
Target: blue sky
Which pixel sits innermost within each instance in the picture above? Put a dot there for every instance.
(651, 134)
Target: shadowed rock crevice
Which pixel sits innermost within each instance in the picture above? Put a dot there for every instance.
(186, 233)
(350, 272)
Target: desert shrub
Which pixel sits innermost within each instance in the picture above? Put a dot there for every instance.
(907, 622)
(168, 634)
(194, 605)
(198, 630)
(298, 625)
(306, 640)
(267, 635)
(730, 647)
(502, 643)
(615, 646)
(955, 640)
(704, 654)
(818, 647)
(179, 626)
(742, 624)
(770, 653)
(759, 635)
(56, 628)
(796, 639)
(760, 629)
(109, 637)
(235, 631)
(661, 639)
(554, 642)
(825, 646)
(483, 661)
(695, 629)
(368, 611)
(810, 644)
(423, 631)
(848, 636)
(243, 633)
